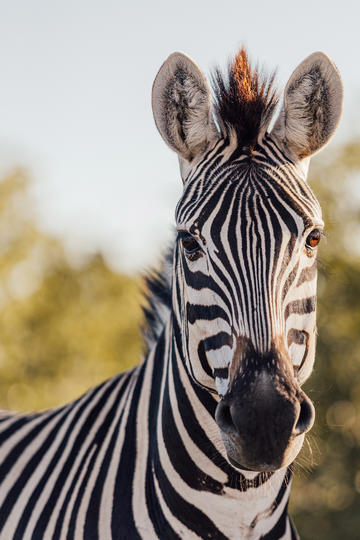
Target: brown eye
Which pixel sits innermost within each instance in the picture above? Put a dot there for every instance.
(313, 239)
(191, 247)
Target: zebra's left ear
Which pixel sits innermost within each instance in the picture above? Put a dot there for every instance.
(312, 106)
(181, 102)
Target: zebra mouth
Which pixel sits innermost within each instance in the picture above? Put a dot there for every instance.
(260, 465)
(238, 456)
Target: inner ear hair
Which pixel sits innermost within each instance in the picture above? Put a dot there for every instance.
(181, 102)
(312, 106)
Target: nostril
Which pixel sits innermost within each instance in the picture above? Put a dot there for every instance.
(223, 418)
(306, 417)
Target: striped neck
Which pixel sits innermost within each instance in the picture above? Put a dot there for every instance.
(193, 486)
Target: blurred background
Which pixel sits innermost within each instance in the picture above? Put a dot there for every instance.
(88, 191)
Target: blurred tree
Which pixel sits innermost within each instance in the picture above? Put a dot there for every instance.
(62, 328)
(325, 501)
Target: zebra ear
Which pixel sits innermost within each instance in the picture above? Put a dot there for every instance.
(312, 106)
(181, 102)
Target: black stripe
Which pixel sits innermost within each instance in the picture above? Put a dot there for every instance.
(195, 312)
(221, 373)
(300, 307)
(222, 339)
(307, 274)
(279, 528)
(203, 360)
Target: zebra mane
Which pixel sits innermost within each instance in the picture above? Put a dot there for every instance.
(245, 99)
(158, 300)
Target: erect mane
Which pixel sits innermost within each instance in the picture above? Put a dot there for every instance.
(158, 300)
(244, 99)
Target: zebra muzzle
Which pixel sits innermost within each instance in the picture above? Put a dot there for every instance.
(263, 424)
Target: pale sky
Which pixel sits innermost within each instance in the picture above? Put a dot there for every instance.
(75, 101)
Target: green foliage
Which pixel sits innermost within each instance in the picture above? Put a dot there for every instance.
(62, 328)
(325, 499)
(65, 328)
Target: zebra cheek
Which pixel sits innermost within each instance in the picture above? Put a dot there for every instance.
(198, 364)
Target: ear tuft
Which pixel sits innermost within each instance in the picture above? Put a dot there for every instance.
(312, 106)
(181, 103)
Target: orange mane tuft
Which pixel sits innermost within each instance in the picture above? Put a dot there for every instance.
(244, 99)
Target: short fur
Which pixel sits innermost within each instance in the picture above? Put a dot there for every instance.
(245, 100)
(312, 107)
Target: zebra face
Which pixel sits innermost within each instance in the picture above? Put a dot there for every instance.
(247, 249)
(246, 267)
(248, 225)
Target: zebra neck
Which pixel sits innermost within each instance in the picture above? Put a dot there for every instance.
(192, 483)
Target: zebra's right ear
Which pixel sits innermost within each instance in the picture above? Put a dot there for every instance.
(181, 102)
(312, 107)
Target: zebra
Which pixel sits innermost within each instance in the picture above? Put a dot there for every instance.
(197, 441)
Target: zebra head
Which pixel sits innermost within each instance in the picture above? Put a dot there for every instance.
(244, 275)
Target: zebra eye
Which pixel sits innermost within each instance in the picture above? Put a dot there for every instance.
(313, 239)
(191, 247)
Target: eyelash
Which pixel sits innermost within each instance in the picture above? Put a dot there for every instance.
(191, 248)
